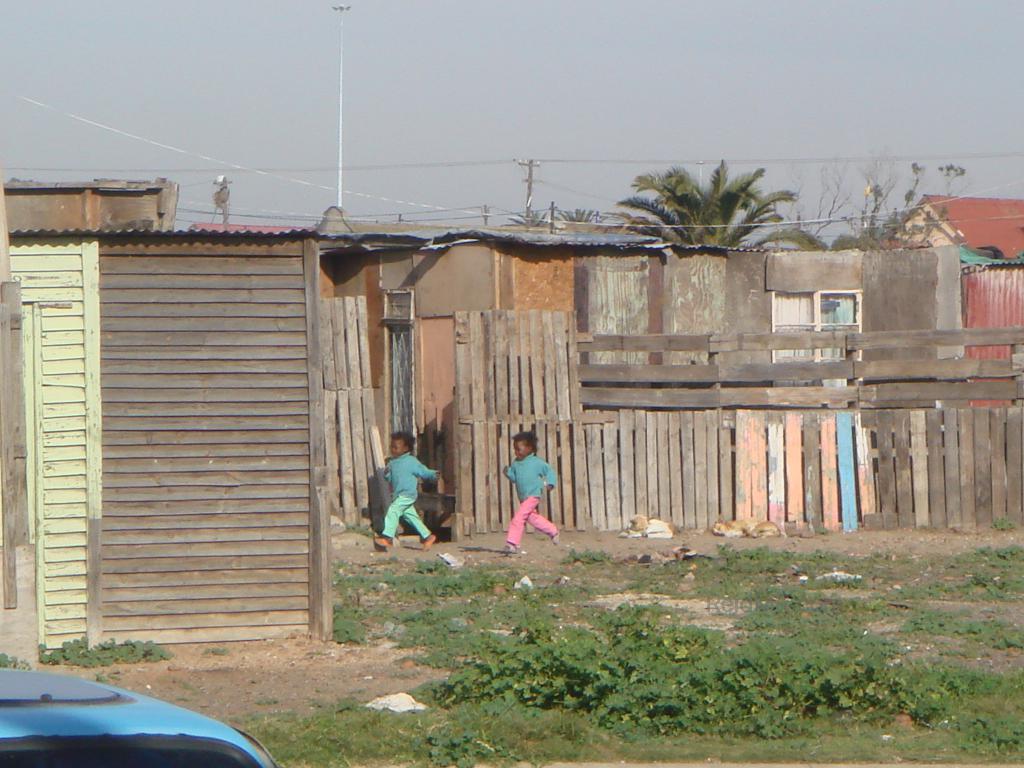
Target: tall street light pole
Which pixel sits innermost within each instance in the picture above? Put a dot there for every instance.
(341, 82)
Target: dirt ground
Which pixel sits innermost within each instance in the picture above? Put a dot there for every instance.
(236, 680)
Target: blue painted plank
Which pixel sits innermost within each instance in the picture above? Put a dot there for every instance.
(847, 471)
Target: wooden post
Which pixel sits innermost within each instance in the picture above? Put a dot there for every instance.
(8, 478)
(1017, 361)
(320, 588)
(8, 497)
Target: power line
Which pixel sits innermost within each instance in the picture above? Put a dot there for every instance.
(224, 163)
(301, 169)
(424, 165)
(788, 160)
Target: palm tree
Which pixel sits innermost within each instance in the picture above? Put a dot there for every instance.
(580, 216)
(530, 219)
(724, 212)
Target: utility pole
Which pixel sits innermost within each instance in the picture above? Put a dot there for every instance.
(551, 218)
(486, 213)
(341, 82)
(529, 165)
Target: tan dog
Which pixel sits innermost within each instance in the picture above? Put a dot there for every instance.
(734, 529)
(642, 526)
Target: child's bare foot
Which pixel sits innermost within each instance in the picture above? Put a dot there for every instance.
(555, 540)
(429, 542)
(382, 544)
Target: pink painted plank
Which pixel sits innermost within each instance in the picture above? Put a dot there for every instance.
(829, 474)
(742, 468)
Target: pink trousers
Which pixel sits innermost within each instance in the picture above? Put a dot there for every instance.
(527, 513)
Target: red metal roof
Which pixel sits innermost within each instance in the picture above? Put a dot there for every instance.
(983, 221)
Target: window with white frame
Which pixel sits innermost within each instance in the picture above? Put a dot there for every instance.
(815, 311)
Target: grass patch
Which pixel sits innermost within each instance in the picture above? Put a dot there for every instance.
(472, 734)
(77, 653)
(634, 672)
(800, 614)
(429, 579)
(989, 633)
(586, 557)
(12, 662)
(346, 627)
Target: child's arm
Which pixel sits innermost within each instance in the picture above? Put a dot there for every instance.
(550, 478)
(423, 473)
(510, 473)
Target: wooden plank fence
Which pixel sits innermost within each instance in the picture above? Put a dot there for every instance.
(843, 380)
(13, 489)
(642, 439)
(353, 461)
(515, 371)
(827, 470)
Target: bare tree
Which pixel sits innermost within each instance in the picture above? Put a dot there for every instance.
(832, 205)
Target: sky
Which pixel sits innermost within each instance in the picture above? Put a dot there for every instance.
(598, 91)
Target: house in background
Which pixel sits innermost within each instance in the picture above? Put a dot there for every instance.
(992, 224)
(415, 282)
(102, 204)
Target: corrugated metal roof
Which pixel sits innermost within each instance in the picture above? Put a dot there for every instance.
(135, 232)
(408, 239)
(574, 239)
(973, 260)
(113, 185)
(248, 229)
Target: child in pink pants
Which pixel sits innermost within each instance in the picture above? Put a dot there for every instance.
(532, 476)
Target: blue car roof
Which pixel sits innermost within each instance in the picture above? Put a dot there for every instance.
(44, 704)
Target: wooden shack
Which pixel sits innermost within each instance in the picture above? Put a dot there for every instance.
(181, 435)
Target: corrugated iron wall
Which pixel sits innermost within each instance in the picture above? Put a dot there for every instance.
(993, 298)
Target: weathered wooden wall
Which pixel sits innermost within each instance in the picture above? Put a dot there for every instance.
(351, 417)
(60, 300)
(212, 426)
(14, 527)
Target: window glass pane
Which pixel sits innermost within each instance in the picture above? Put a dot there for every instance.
(794, 309)
(838, 309)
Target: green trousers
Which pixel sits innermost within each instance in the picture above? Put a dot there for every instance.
(402, 509)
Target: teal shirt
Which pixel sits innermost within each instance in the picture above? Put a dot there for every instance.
(403, 472)
(530, 476)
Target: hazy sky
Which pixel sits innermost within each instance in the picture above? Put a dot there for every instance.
(254, 82)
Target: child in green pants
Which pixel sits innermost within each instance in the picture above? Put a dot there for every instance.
(403, 472)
